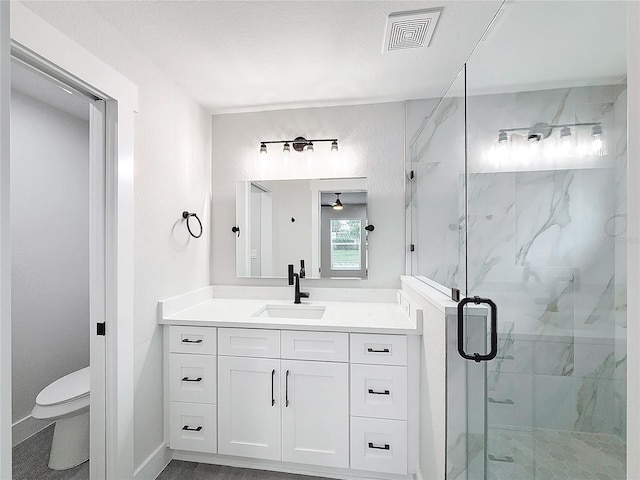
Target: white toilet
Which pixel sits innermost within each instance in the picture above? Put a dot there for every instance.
(67, 402)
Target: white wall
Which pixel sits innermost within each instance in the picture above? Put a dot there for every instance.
(371, 139)
(50, 254)
(172, 174)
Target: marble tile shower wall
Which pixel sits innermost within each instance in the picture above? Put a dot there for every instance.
(546, 242)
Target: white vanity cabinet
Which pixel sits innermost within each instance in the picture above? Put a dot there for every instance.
(192, 388)
(333, 400)
(379, 403)
(315, 413)
(249, 407)
(284, 409)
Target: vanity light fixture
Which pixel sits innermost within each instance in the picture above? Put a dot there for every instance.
(337, 205)
(569, 134)
(300, 144)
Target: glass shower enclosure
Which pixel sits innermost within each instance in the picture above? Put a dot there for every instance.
(518, 202)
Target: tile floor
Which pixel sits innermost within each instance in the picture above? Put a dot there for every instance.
(178, 470)
(30, 460)
(541, 454)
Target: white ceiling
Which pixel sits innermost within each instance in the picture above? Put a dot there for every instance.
(535, 45)
(235, 56)
(256, 55)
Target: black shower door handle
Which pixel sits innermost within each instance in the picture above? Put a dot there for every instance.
(476, 357)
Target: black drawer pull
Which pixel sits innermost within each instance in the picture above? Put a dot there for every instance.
(384, 392)
(187, 379)
(373, 350)
(187, 340)
(378, 447)
(188, 428)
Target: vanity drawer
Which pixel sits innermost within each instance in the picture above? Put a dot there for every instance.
(379, 391)
(199, 340)
(379, 445)
(329, 346)
(192, 378)
(249, 342)
(379, 349)
(193, 427)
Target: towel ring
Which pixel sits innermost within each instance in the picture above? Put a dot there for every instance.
(186, 215)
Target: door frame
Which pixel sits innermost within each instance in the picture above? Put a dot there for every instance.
(47, 46)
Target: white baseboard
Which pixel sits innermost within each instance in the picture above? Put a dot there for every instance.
(154, 464)
(419, 474)
(26, 427)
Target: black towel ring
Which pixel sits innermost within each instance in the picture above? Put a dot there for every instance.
(186, 215)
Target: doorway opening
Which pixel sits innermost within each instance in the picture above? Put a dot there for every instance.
(58, 275)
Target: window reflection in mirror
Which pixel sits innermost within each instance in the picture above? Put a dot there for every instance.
(284, 222)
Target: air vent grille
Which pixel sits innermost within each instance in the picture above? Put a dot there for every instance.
(412, 29)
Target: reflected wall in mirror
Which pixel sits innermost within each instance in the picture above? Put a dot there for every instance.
(300, 222)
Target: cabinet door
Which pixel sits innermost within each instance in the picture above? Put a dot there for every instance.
(249, 407)
(315, 413)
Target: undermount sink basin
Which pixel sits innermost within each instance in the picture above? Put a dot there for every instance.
(291, 311)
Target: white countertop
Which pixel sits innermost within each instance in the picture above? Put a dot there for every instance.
(365, 317)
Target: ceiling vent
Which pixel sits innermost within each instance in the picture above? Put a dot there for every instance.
(412, 29)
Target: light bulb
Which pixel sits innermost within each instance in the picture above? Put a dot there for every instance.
(337, 205)
(286, 148)
(596, 143)
(502, 138)
(565, 140)
(263, 148)
(310, 147)
(334, 146)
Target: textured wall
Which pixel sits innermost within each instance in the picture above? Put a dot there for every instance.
(172, 174)
(371, 139)
(50, 254)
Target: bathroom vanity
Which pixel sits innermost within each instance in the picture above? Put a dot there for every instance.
(324, 388)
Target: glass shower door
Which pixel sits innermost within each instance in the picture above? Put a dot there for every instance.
(545, 220)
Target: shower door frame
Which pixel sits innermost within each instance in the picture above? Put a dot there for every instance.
(58, 55)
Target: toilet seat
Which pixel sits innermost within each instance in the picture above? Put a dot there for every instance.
(66, 389)
(65, 397)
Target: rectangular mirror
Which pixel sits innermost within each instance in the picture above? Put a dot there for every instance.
(282, 222)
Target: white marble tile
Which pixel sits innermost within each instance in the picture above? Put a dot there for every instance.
(490, 250)
(594, 359)
(554, 402)
(544, 231)
(551, 106)
(509, 398)
(595, 404)
(491, 193)
(554, 357)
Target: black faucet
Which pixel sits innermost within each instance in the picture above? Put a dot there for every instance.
(295, 278)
